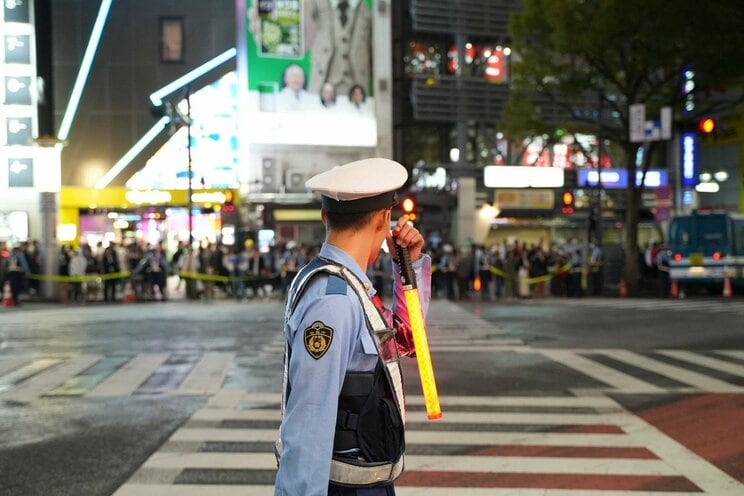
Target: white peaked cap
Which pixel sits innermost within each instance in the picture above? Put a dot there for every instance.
(360, 186)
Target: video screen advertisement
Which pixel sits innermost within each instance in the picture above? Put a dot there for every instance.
(309, 65)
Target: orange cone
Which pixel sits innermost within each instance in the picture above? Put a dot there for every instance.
(128, 293)
(623, 288)
(727, 292)
(674, 292)
(8, 300)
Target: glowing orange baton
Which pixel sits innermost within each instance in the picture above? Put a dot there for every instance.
(416, 317)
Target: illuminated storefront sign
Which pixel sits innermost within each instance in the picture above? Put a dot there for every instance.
(495, 176)
(152, 197)
(525, 200)
(689, 174)
(618, 178)
(214, 197)
(310, 73)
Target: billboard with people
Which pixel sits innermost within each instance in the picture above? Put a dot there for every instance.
(309, 65)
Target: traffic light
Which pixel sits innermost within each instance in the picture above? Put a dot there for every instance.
(408, 205)
(707, 125)
(228, 205)
(567, 202)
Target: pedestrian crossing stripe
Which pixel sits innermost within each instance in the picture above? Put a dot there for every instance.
(684, 305)
(658, 460)
(27, 378)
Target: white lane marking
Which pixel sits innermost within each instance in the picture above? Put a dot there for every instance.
(207, 375)
(50, 378)
(226, 461)
(526, 401)
(11, 363)
(17, 376)
(732, 353)
(600, 372)
(226, 398)
(130, 376)
(430, 437)
(515, 464)
(214, 414)
(705, 361)
(201, 490)
(529, 465)
(678, 374)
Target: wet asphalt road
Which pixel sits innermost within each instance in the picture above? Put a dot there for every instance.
(65, 443)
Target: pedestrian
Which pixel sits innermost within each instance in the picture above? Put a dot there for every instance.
(663, 263)
(78, 268)
(342, 425)
(110, 266)
(16, 270)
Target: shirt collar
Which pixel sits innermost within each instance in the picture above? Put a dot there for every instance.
(336, 254)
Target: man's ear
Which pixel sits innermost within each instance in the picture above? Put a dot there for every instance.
(323, 216)
(382, 220)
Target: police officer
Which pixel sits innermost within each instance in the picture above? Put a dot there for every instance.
(342, 405)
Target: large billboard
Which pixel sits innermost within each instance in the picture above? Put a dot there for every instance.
(309, 66)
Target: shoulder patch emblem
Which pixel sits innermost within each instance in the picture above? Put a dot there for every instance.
(318, 339)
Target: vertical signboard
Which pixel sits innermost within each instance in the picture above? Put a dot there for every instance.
(18, 115)
(689, 154)
(309, 73)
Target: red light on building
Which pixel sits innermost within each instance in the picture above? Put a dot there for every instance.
(677, 257)
(707, 125)
(717, 255)
(568, 202)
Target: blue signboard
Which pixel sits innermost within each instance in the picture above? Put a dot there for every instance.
(689, 161)
(618, 178)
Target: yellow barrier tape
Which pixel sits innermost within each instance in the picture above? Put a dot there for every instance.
(88, 278)
(217, 278)
(531, 280)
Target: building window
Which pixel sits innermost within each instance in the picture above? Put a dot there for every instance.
(171, 40)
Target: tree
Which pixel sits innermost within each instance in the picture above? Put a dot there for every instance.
(603, 56)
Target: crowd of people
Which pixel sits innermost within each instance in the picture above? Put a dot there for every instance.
(490, 272)
(516, 270)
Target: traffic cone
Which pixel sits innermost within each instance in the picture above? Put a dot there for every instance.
(156, 294)
(727, 292)
(8, 300)
(128, 293)
(674, 291)
(623, 288)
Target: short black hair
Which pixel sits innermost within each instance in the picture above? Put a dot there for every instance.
(343, 221)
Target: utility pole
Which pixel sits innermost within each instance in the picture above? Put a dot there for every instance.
(188, 149)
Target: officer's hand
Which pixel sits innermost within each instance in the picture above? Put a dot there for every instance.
(407, 236)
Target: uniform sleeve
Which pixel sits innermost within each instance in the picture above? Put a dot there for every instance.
(422, 268)
(315, 377)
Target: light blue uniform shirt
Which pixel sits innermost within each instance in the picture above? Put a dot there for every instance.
(309, 424)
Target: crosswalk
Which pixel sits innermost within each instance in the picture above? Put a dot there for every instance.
(502, 445)
(706, 306)
(658, 371)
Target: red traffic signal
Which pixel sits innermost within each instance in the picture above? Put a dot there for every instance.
(408, 205)
(707, 125)
(228, 205)
(567, 201)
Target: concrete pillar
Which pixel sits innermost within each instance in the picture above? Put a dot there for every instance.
(465, 228)
(382, 70)
(48, 242)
